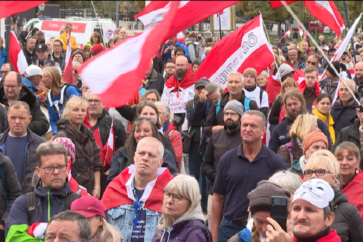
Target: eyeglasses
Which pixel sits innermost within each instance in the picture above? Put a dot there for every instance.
(311, 63)
(95, 101)
(10, 87)
(50, 169)
(4, 72)
(318, 172)
(175, 197)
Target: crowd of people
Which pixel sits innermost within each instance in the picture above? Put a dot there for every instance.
(205, 171)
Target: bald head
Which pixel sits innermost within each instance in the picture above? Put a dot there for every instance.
(181, 60)
(293, 55)
(181, 67)
(359, 70)
(292, 47)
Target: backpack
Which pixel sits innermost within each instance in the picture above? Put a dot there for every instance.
(32, 203)
(5, 196)
(205, 231)
(63, 99)
(196, 52)
(246, 105)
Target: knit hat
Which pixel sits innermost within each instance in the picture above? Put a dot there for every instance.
(260, 197)
(235, 106)
(79, 52)
(285, 69)
(336, 65)
(97, 48)
(68, 144)
(313, 137)
(250, 71)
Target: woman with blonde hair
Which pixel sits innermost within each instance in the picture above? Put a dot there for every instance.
(58, 94)
(348, 223)
(87, 166)
(182, 218)
(93, 210)
(351, 177)
(287, 85)
(303, 124)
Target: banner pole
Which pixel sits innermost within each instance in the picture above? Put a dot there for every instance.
(346, 14)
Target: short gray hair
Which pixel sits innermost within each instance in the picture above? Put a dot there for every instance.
(164, 105)
(238, 74)
(152, 139)
(212, 88)
(84, 228)
(18, 105)
(264, 73)
(256, 113)
(50, 148)
(286, 179)
(68, 25)
(352, 84)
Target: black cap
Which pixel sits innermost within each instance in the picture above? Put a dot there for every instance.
(41, 47)
(202, 82)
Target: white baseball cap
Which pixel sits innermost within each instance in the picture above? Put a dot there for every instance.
(33, 70)
(315, 191)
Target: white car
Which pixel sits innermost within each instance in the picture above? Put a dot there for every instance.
(327, 30)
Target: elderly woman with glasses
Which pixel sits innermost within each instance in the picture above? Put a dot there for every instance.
(182, 218)
(348, 223)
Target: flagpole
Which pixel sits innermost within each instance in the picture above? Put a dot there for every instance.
(220, 26)
(7, 40)
(104, 161)
(346, 14)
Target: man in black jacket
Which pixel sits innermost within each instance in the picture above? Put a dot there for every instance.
(99, 122)
(13, 91)
(153, 80)
(29, 51)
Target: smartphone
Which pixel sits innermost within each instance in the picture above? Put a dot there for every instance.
(41, 63)
(278, 210)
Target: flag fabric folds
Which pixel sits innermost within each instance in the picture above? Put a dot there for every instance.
(16, 54)
(8, 8)
(288, 32)
(277, 4)
(68, 66)
(243, 48)
(109, 147)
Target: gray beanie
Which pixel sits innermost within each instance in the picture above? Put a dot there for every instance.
(235, 106)
(260, 197)
(285, 69)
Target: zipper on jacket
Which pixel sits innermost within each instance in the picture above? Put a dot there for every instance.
(48, 204)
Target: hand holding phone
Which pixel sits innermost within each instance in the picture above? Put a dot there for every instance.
(278, 210)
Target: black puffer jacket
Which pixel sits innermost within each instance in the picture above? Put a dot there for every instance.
(87, 153)
(347, 222)
(155, 81)
(39, 124)
(342, 115)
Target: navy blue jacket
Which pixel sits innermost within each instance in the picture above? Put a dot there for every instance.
(342, 115)
(280, 134)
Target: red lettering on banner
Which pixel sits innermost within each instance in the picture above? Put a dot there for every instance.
(50, 25)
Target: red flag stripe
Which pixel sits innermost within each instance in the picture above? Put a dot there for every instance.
(9, 8)
(277, 4)
(16, 55)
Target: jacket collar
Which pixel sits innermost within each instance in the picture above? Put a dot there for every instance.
(43, 191)
(323, 117)
(4, 135)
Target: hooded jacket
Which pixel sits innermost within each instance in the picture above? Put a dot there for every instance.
(354, 191)
(347, 222)
(73, 40)
(12, 185)
(50, 203)
(179, 231)
(214, 118)
(155, 81)
(166, 56)
(3, 56)
(39, 123)
(342, 115)
(33, 142)
(87, 153)
(30, 57)
(328, 87)
(120, 161)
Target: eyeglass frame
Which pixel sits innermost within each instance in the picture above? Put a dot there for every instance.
(172, 195)
(54, 167)
(314, 171)
(95, 101)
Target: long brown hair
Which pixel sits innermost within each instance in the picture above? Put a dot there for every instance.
(143, 104)
(95, 34)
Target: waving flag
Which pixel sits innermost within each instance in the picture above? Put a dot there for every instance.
(75, 187)
(116, 74)
(288, 32)
(109, 147)
(68, 66)
(189, 13)
(327, 13)
(8, 8)
(239, 50)
(277, 4)
(16, 55)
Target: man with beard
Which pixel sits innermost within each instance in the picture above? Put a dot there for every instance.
(295, 104)
(222, 141)
(182, 83)
(359, 77)
(29, 52)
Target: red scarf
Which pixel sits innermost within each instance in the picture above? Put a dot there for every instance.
(354, 192)
(188, 80)
(331, 237)
(120, 192)
(302, 87)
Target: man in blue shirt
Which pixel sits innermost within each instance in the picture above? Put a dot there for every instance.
(239, 171)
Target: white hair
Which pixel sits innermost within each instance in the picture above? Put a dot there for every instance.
(238, 74)
(166, 109)
(264, 73)
(212, 88)
(152, 139)
(287, 179)
(352, 84)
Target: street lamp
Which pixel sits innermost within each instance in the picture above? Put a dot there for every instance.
(41, 9)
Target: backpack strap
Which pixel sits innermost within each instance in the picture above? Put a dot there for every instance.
(247, 104)
(5, 196)
(205, 231)
(31, 205)
(55, 103)
(69, 199)
(218, 107)
(170, 133)
(261, 95)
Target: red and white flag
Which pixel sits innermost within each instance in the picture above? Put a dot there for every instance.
(327, 13)
(68, 66)
(8, 8)
(75, 187)
(288, 32)
(246, 47)
(109, 147)
(277, 4)
(189, 13)
(116, 74)
(16, 55)
(301, 32)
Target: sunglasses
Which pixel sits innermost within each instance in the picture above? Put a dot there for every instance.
(311, 63)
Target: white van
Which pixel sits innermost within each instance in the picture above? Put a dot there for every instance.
(82, 29)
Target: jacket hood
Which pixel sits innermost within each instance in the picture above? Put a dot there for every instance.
(43, 191)
(80, 136)
(195, 214)
(339, 197)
